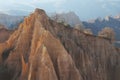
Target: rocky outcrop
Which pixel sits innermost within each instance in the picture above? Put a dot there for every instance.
(32, 53)
(4, 33)
(42, 49)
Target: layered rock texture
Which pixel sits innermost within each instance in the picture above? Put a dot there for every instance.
(42, 49)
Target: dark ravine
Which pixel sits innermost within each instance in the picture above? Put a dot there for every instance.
(42, 49)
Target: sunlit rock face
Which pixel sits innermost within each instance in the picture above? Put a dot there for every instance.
(42, 49)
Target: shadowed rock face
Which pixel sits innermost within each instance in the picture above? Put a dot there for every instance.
(4, 34)
(42, 49)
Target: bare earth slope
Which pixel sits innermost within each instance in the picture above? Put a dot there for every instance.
(42, 49)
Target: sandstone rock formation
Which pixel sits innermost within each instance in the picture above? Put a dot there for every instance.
(42, 49)
(4, 33)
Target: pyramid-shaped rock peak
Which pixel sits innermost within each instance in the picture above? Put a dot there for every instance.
(32, 53)
(42, 49)
(37, 18)
(39, 11)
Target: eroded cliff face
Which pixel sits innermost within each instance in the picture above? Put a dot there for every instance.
(95, 57)
(4, 34)
(42, 49)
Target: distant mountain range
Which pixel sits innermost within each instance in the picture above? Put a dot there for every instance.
(12, 20)
(9, 21)
(97, 24)
(18, 12)
(69, 18)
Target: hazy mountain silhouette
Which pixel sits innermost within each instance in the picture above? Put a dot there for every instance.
(70, 18)
(98, 24)
(9, 21)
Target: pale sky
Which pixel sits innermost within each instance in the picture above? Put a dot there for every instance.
(85, 9)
